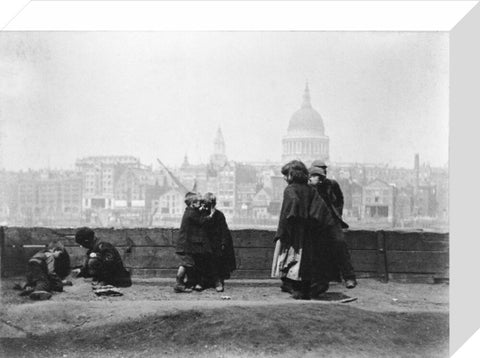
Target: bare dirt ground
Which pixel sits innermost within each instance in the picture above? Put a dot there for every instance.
(150, 320)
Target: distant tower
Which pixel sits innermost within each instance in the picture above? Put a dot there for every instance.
(218, 158)
(305, 138)
(416, 167)
(185, 163)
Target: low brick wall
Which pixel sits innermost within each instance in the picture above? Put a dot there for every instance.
(410, 256)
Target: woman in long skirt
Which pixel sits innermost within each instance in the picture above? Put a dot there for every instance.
(297, 258)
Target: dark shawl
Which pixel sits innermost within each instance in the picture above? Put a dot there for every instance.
(301, 206)
(303, 215)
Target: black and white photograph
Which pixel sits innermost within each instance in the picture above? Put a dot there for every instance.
(224, 193)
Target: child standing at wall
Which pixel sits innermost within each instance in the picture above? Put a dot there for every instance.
(222, 261)
(192, 246)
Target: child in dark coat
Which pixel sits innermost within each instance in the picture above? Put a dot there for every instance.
(223, 255)
(193, 245)
(103, 261)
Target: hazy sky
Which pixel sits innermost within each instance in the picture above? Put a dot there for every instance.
(64, 95)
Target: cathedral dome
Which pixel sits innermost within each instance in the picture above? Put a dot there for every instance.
(306, 120)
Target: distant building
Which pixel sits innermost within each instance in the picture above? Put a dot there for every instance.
(70, 200)
(8, 196)
(439, 178)
(305, 138)
(131, 201)
(403, 205)
(126, 160)
(193, 176)
(425, 202)
(168, 209)
(49, 198)
(225, 189)
(246, 185)
(352, 196)
(278, 186)
(131, 185)
(99, 175)
(378, 201)
(168, 202)
(261, 203)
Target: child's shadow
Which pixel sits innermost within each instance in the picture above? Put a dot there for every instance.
(335, 297)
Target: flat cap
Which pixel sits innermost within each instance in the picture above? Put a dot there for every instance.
(319, 163)
(315, 171)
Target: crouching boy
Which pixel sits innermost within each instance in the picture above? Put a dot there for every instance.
(103, 261)
(46, 271)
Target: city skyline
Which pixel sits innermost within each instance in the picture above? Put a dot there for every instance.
(382, 96)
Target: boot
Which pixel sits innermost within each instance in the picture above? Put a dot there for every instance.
(302, 291)
(40, 295)
(318, 288)
(351, 283)
(26, 291)
(286, 285)
(179, 284)
(219, 286)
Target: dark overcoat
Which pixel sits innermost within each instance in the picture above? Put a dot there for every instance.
(332, 195)
(110, 270)
(193, 236)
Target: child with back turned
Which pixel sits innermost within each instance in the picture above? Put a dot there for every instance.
(46, 271)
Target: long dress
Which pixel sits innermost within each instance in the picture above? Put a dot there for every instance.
(298, 250)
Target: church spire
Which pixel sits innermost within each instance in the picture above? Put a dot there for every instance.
(219, 157)
(306, 97)
(219, 143)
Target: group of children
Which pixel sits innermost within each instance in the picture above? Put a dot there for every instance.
(48, 268)
(204, 247)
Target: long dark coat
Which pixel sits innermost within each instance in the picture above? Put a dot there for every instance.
(193, 236)
(111, 270)
(332, 195)
(220, 237)
(303, 215)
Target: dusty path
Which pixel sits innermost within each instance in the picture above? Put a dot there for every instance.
(413, 315)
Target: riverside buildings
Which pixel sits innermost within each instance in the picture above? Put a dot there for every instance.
(119, 191)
